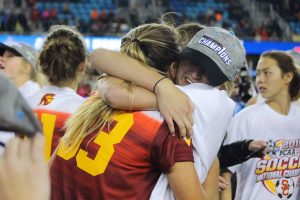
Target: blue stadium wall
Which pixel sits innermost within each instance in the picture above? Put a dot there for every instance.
(252, 48)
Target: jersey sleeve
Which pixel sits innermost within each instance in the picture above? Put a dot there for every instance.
(167, 150)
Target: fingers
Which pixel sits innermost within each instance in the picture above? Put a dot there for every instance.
(170, 123)
(181, 127)
(24, 150)
(11, 150)
(183, 122)
(257, 145)
(188, 127)
(223, 184)
(37, 149)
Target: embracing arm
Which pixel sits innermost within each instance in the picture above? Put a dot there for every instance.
(185, 183)
(172, 103)
(114, 91)
(122, 66)
(210, 184)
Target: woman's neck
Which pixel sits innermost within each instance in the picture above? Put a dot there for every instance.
(73, 85)
(280, 104)
(20, 81)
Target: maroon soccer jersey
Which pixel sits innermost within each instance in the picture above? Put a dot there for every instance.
(52, 123)
(123, 162)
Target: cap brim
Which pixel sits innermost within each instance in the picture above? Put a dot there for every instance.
(15, 114)
(215, 76)
(4, 47)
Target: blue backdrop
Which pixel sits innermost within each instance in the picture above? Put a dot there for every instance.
(252, 48)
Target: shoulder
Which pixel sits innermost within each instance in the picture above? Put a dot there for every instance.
(56, 98)
(202, 94)
(250, 111)
(166, 149)
(246, 119)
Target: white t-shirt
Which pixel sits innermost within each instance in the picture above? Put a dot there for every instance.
(260, 99)
(53, 106)
(55, 98)
(28, 88)
(212, 115)
(276, 175)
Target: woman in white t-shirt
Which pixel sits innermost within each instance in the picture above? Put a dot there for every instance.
(277, 174)
(63, 60)
(18, 64)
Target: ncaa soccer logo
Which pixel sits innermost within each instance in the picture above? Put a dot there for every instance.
(285, 188)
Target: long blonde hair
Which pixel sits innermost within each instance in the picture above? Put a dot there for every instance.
(153, 44)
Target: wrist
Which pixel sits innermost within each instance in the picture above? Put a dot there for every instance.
(159, 84)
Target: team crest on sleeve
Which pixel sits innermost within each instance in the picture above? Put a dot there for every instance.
(47, 99)
(279, 170)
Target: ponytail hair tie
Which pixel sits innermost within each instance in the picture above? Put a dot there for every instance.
(136, 40)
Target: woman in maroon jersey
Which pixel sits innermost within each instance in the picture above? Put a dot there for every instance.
(113, 154)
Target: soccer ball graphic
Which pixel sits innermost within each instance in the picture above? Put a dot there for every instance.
(285, 188)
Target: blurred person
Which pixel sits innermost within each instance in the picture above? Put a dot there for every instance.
(276, 175)
(63, 60)
(201, 74)
(24, 173)
(23, 170)
(18, 64)
(112, 154)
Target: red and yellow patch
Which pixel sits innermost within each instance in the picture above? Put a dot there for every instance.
(47, 99)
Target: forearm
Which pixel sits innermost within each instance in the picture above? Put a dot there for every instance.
(117, 94)
(184, 172)
(124, 67)
(211, 183)
(234, 153)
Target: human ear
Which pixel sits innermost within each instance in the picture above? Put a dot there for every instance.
(83, 66)
(27, 67)
(288, 77)
(172, 71)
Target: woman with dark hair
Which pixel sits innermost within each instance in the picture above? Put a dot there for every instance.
(276, 175)
(63, 61)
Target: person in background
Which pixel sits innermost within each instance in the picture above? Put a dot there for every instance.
(63, 61)
(275, 175)
(295, 53)
(18, 64)
(24, 172)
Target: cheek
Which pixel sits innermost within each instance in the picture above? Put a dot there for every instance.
(179, 76)
(13, 67)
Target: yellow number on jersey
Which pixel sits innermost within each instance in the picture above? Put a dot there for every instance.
(48, 123)
(106, 150)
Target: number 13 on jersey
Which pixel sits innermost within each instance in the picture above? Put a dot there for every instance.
(106, 141)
